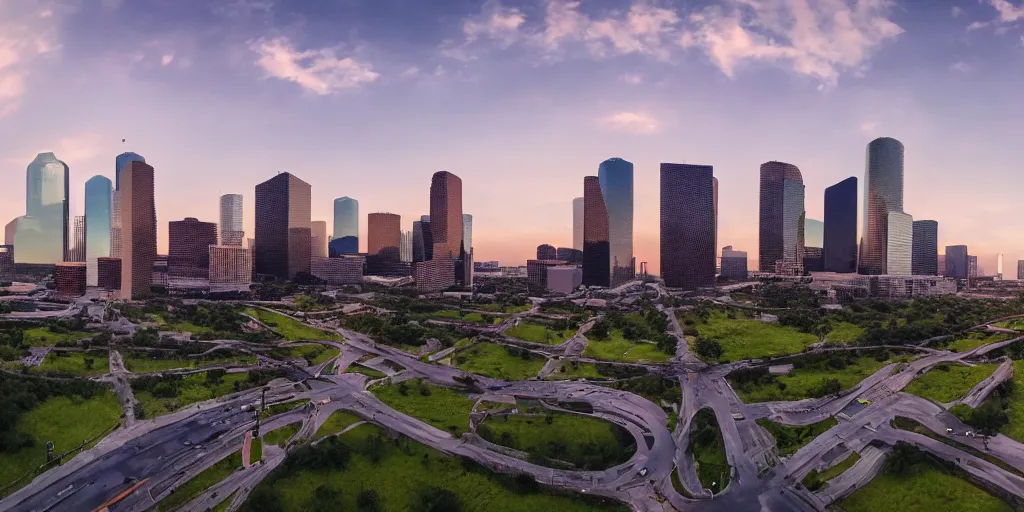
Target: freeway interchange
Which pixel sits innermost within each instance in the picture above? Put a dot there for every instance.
(170, 450)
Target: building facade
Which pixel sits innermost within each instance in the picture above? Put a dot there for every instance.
(188, 247)
(6, 260)
(793, 214)
(341, 270)
(384, 234)
(77, 250)
(537, 271)
(926, 248)
(972, 266)
(138, 229)
(230, 265)
(122, 160)
(596, 266)
(108, 273)
(814, 259)
(405, 248)
(346, 225)
(734, 264)
(956, 261)
(839, 230)
(435, 275)
(569, 254)
(283, 228)
(69, 277)
(564, 279)
(318, 239)
(98, 190)
(42, 233)
(776, 222)
(546, 252)
(231, 230)
(900, 244)
(10, 230)
(883, 193)
(616, 178)
(577, 223)
(687, 226)
(1020, 270)
(446, 223)
(715, 188)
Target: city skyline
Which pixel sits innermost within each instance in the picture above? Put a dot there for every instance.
(630, 106)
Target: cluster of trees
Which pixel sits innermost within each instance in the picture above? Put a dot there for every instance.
(20, 395)
(652, 387)
(314, 302)
(396, 330)
(170, 386)
(650, 325)
(561, 307)
(585, 455)
(784, 295)
(750, 379)
(992, 415)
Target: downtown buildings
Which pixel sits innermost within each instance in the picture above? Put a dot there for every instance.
(283, 229)
(616, 179)
(596, 254)
(98, 213)
(41, 235)
(449, 264)
(883, 193)
(687, 226)
(781, 219)
(346, 226)
(926, 248)
(839, 244)
(138, 229)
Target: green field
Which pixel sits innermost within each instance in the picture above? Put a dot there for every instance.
(313, 354)
(463, 316)
(948, 382)
(790, 439)
(976, 339)
(571, 370)
(802, 382)
(67, 421)
(1016, 324)
(925, 490)
(752, 339)
(280, 436)
(140, 363)
(585, 442)
(291, 330)
(501, 308)
(43, 337)
(201, 482)
(369, 372)
(539, 333)
(1015, 412)
(194, 388)
(498, 361)
(708, 450)
(440, 407)
(618, 348)
(844, 332)
(283, 407)
(401, 475)
(336, 422)
(74, 363)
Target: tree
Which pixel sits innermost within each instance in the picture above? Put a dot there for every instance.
(708, 349)
(600, 330)
(368, 501)
(436, 499)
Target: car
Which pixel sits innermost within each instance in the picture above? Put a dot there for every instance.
(949, 431)
(642, 472)
(187, 442)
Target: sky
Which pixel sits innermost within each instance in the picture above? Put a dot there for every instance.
(521, 99)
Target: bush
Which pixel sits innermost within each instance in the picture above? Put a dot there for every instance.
(708, 349)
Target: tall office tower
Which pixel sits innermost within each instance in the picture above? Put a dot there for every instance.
(839, 234)
(900, 244)
(734, 264)
(1020, 270)
(318, 239)
(942, 265)
(138, 230)
(596, 256)
(115, 224)
(926, 248)
(77, 251)
(956, 261)
(546, 252)
(422, 241)
(467, 244)
(282, 227)
(384, 235)
(446, 219)
(188, 247)
(346, 225)
(616, 177)
(793, 214)
(972, 266)
(97, 225)
(716, 218)
(42, 234)
(883, 193)
(814, 233)
(231, 231)
(999, 265)
(777, 225)
(10, 230)
(405, 248)
(120, 161)
(687, 226)
(577, 223)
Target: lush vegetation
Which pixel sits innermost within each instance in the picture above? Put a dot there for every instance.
(313, 354)
(947, 382)
(585, 442)
(440, 407)
(789, 439)
(80, 364)
(903, 423)
(708, 450)
(742, 338)
(282, 407)
(290, 329)
(913, 481)
(462, 315)
(1016, 324)
(975, 339)
(51, 335)
(660, 390)
(280, 436)
(815, 481)
(397, 331)
(813, 376)
(549, 334)
(367, 470)
(161, 394)
(1014, 409)
(201, 482)
(632, 337)
(336, 422)
(499, 361)
(153, 362)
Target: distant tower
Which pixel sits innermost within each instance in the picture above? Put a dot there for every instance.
(188, 247)
(283, 228)
(98, 216)
(77, 252)
(446, 219)
(999, 265)
(318, 239)
(138, 224)
(781, 218)
(120, 161)
(422, 241)
(384, 235)
(231, 232)
(546, 252)
(926, 248)
(346, 226)
(596, 267)
(42, 234)
(687, 226)
(883, 193)
(616, 177)
(715, 181)
(840, 229)
(577, 223)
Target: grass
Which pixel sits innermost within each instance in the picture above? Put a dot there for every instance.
(801, 382)
(74, 363)
(927, 489)
(291, 330)
(501, 308)
(1016, 324)
(280, 436)
(194, 389)
(369, 372)
(678, 485)
(974, 340)
(283, 407)
(201, 482)
(752, 339)
(67, 421)
(948, 382)
(399, 473)
(539, 333)
(256, 451)
(571, 370)
(223, 505)
(313, 354)
(844, 332)
(43, 337)
(336, 422)
(587, 443)
(908, 424)
(790, 439)
(498, 361)
(440, 407)
(618, 348)
(708, 449)
(1014, 429)
(143, 364)
(468, 316)
(840, 468)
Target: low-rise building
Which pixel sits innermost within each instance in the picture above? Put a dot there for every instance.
(564, 278)
(69, 277)
(346, 269)
(734, 264)
(230, 264)
(537, 271)
(6, 260)
(108, 272)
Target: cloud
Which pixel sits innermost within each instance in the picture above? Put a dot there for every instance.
(868, 127)
(630, 122)
(27, 31)
(645, 29)
(956, 12)
(318, 71)
(1006, 14)
(167, 59)
(975, 25)
(241, 8)
(631, 78)
(818, 38)
(494, 22)
(960, 67)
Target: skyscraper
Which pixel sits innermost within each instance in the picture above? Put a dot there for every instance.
(999, 265)
(900, 243)
(346, 225)
(956, 261)
(10, 230)
(42, 234)
(231, 231)
(138, 229)
(778, 223)
(97, 224)
(77, 251)
(446, 214)
(283, 229)
(839, 233)
(384, 235)
(814, 233)
(120, 161)
(188, 247)
(596, 256)
(716, 218)
(1020, 270)
(405, 248)
(546, 252)
(577, 223)
(422, 241)
(318, 239)
(972, 266)
(926, 248)
(616, 178)
(467, 244)
(883, 193)
(687, 226)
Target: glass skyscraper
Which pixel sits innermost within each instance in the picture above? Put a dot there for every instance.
(616, 178)
(422, 241)
(98, 213)
(956, 261)
(283, 230)
(687, 226)
(120, 162)
(900, 244)
(926, 248)
(793, 225)
(596, 266)
(577, 223)
(467, 232)
(814, 233)
(346, 226)
(780, 225)
(42, 234)
(840, 229)
(883, 193)
(231, 231)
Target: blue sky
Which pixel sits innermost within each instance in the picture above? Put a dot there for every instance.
(367, 98)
